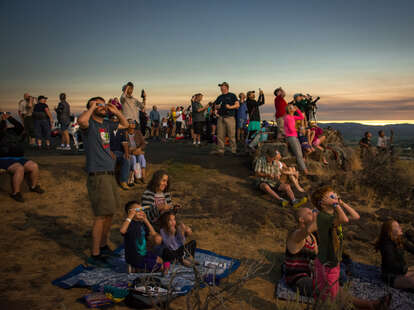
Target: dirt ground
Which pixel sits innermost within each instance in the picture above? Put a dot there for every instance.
(50, 234)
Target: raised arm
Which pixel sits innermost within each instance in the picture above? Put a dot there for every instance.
(341, 216)
(353, 215)
(83, 119)
(123, 123)
(300, 116)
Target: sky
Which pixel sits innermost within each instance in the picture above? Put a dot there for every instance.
(356, 55)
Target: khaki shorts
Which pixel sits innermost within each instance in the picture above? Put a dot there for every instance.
(103, 194)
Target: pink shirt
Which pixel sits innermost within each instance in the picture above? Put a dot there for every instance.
(290, 122)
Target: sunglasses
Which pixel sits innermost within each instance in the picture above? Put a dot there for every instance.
(100, 104)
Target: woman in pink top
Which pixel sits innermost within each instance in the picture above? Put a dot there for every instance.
(292, 135)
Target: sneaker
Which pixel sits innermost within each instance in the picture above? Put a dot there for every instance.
(297, 203)
(284, 202)
(198, 143)
(60, 148)
(37, 189)
(194, 142)
(97, 261)
(67, 148)
(18, 197)
(124, 186)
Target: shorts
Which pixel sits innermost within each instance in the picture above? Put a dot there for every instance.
(198, 128)
(42, 129)
(28, 125)
(241, 123)
(274, 185)
(6, 162)
(306, 146)
(254, 126)
(64, 125)
(103, 194)
(155, 124)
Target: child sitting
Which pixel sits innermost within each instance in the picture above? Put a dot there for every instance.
(289, 172)
(173, 238)
(303, 137)
(139, 239)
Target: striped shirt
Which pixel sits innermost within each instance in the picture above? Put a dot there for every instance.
(155, 201)
(263, 166)
(298, 265)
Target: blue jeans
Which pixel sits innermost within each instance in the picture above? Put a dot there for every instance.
(124, 166)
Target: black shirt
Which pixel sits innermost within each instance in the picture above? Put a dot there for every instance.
(253, 108)
(393, 258)
(365, 140)
(39, 111)
(135, 243)
(11, 139)
(224, 99)
(116, 138)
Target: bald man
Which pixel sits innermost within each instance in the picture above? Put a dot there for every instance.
(25, 110)
(301, 249)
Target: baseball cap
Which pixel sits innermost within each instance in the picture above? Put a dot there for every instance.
(250, 92)
(41, 97)
(224, 84)
(297, 95)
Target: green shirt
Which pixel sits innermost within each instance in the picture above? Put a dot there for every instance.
(301, 105)
(327, 231)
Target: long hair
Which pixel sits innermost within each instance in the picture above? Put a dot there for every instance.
(155, 182)
(62, 97)
(164, 220)
(386, 234)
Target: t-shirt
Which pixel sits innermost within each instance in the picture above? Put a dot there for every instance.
(172, 242)
(39, 111)
(253, 108)
(263, 166)
(329, 235)
(197, 116)
(302, 105)
(24, 107)
(135, 242)
(365, 140)
(222, 101)
(280, 106)
(318, 132)
(155, 115)
(382, 142)
(116, 138)
(179, 116)
(130, 107)
(154, 200)
(63, 112)
(97, 145)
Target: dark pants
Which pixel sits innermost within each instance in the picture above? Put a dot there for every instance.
(178, 127)
(123, 166)
(178, 255)
(42, 129)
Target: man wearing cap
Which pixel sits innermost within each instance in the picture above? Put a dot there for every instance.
(280, 106)
(100, 165)
(301, 104)
(131, 105)
(25, 109)
(43, 122)
(227, 104)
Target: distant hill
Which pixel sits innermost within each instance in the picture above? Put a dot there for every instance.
(352, 132)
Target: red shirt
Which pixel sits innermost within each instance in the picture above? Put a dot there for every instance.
(280, 106)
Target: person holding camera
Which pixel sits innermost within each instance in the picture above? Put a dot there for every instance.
(12, 157)
(198, 117)
(226, 122)
(131, 105)
(63, 116)
(25, 110)
(100, 164)
(155, 118)
(280, 106)
(254, 112)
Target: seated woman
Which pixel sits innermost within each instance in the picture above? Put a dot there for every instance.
(317, 137)
(303, 137)
(173, 238)
(392, 246)
(136, 146)
(141, 240)
(157, 197)
(289, 172)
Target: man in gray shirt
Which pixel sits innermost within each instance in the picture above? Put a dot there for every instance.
(63, 116)
(131, 105)
(100, 164)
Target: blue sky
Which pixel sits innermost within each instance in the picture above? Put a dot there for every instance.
(357, 55)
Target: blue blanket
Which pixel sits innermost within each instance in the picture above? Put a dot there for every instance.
(182, 282)
(365, 283)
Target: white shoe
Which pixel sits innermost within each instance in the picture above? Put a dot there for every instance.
(67, 148)
(194, 142)
(61, 147)
(198, 143)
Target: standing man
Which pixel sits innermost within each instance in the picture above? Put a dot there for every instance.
(43, 122)
(155, 122)
(241, 119)
(226, 123)
(131, 105)
(63, 116)
(280, 106)
(25, 109)
(143, 120)
(100, 163)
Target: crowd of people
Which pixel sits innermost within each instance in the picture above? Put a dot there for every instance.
(114, 134)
